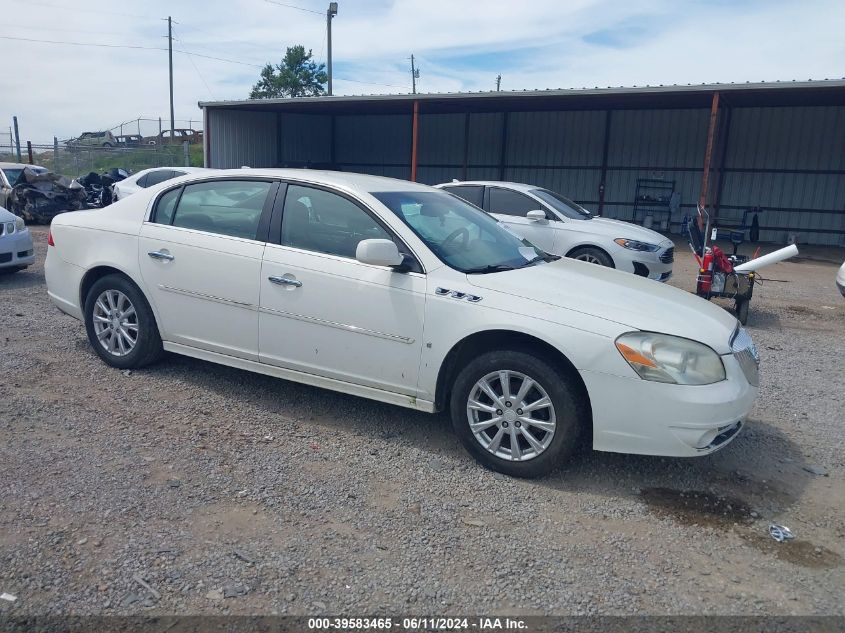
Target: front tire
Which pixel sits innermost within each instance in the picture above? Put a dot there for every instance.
(741, 309)
(592, 255)
(516, 413)
(120, 324)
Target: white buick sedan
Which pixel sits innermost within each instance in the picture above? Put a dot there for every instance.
(406, 294)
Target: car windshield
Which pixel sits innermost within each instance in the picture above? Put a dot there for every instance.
(460, 235)
(563, 205)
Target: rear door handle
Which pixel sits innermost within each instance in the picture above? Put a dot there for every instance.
(167, 257)
(285, 281)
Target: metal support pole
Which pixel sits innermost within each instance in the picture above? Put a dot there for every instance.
(170, 62)
(330, 13)
(723, 156)
(29, 152)
(604, 153)
(504, 153)
(414, 136)
(498, 83)
(465, 170)
(17, 138)
(708, 150)
(56, 156)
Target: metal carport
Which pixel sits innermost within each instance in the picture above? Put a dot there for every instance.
(777, 145)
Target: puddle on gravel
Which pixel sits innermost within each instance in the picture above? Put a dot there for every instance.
(695, 507)
(797, 552)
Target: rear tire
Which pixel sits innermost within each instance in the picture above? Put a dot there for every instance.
(592, 255)
(120, 324)
(502, 433)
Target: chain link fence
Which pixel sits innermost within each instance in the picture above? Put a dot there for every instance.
(75, 161)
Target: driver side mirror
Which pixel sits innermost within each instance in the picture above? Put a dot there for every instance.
(537, 215)
(378, 253)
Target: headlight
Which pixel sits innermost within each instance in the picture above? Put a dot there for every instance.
(20, 225)
(635, 245)
(664, 358)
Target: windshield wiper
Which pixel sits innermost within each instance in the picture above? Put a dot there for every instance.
(541, 258)
(495, 268)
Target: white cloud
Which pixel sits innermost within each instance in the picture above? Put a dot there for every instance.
(63, 90)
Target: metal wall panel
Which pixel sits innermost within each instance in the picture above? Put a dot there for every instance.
(555, 138)
(369, 140)
(240, 137)
(305, 139)
(485, 139)
(441, 139)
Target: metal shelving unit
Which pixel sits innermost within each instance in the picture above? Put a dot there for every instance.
(652, 198)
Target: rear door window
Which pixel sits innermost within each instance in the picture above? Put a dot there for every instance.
(160, 175)
(507, 202)
(474, 194)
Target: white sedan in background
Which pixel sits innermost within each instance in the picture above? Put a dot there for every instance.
(147, 178)
(562, 227)
(16, 250)
(402, 293)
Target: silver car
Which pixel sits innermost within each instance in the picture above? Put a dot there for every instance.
(562, 227)
(16, 250)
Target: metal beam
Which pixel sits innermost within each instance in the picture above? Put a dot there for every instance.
(723, 154)
(604, 152)
(414, 134)
(708, 150)
(503, 155)
(465, 170)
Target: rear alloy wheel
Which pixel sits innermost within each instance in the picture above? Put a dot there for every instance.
(120, 323)
(592, 256)
(516, 414)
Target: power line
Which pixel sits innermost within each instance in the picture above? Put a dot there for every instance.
(76, 10)
(129, 46)
(205, 83)
(291, 6)
(29, 39)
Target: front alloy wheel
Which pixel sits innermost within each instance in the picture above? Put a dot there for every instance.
(511, 415)
(519, 412)
(115, 322)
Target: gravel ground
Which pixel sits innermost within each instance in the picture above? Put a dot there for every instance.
(188, 487)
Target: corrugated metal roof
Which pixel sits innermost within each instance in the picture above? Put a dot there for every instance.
(609, 91)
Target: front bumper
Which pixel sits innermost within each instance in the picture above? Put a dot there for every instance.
(652, 418)
(657, 265)
(16, 250)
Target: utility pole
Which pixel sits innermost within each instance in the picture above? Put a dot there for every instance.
(170, 61)
(498, 83)
(415, 74)
(17, 137)
(330, 13)
(56, 156)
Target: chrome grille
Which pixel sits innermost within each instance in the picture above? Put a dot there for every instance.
(746, 355)
(668, 256)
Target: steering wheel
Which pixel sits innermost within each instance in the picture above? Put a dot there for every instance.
(453, 237)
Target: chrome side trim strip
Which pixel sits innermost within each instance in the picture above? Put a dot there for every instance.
(200, 295)
(340, 326)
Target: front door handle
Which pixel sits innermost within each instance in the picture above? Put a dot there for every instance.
(285, 281)
(167, 257)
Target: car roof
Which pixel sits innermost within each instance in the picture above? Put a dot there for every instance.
(19, 166)
(343, 179)
(516, 186)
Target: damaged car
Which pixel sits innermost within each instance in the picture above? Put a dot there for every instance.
(40, 196)
(9, 175)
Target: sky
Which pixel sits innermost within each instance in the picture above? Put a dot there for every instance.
(62, 88)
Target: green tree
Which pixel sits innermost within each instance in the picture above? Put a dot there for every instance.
(298, 75)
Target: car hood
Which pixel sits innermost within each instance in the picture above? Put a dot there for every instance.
(7, 216)
(618, 228)
(606, 293)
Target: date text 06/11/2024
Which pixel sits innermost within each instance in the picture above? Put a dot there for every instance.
(426, 623)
